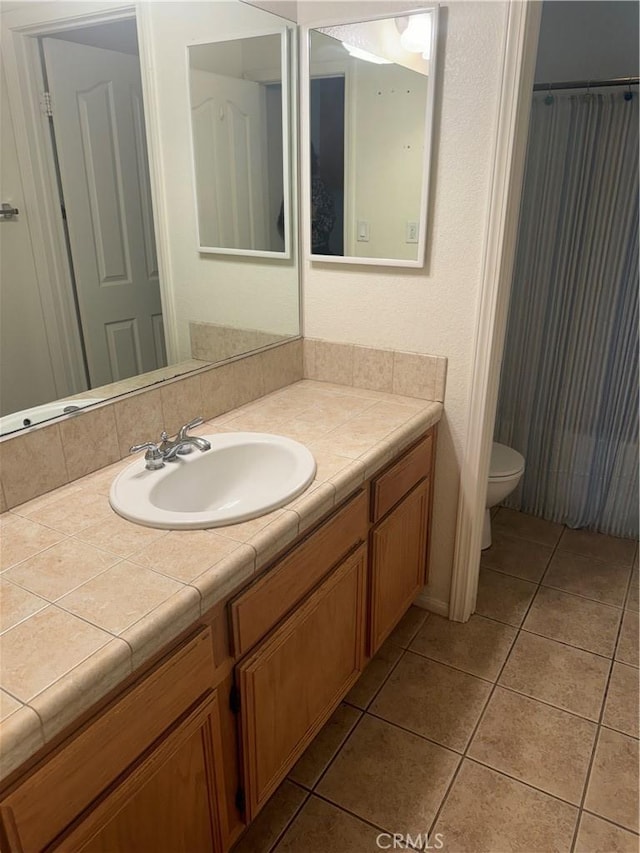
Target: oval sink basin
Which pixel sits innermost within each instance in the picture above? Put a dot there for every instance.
(243, 475)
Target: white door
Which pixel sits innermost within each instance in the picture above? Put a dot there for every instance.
(229, 140)
(98, 119)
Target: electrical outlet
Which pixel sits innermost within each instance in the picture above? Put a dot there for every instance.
(412, 232)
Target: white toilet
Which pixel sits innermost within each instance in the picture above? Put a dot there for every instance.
(505, 469)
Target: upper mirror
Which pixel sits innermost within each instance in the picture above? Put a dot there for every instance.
(240, 128)
(370, 104)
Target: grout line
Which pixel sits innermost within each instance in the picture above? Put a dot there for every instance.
(288, 823)
(608, 820)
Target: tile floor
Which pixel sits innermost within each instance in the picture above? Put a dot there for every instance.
(517, 731)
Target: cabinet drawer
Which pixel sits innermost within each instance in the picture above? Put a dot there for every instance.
(401, 477)
(72, 777)
(255, 612)
(292, 683)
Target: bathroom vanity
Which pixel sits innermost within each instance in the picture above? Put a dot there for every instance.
(183, 754)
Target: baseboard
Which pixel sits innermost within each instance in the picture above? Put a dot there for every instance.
(434, 605)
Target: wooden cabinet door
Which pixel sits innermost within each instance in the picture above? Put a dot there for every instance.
(167, 803)
(398, 562)
(294, 680)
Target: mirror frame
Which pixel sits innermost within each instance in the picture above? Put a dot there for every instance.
(305, 141)
(287, 66)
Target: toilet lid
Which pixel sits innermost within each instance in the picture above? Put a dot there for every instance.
(505, 461)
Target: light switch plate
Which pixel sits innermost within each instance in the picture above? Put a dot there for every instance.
(412, 232)
(363, 231)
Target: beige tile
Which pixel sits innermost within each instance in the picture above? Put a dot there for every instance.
(517, 557)
(184, 554)
(329, 464)
(272, 820)
(390, 777)
(60, 569)
(374, 675)
(432, 700)
(100, 482)
(73, 512)
(308, 358)
(323, 828)
(63, 701)
(347, 480)
(414, 375)
(226, 576)
(34, 506)
(611, 549)
(120, 536)
(487, 812)
(38, 452)
(578, 621)
(621, 706)
(599, 836)
(159, 627)
(117, 598)
(479, 646)
(373, 368)
(408, 627)
(8, 705)
(282, 365)
(310, 767)
(627, 650)
(16, 604)
(525, 526)
(274, 538)
(139, 418)
(606, 582)
(20, 736)
(503, 597)
(612, 792)
(21, 538)
(90, 441)
(540, 745)
(181, 403)
(632, 596)
(313, 505)
(232, 385)
(67, 640)
(333, 362)
(561, 675)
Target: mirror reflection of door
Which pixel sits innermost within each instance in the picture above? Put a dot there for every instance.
(99, 137)
(327, 165)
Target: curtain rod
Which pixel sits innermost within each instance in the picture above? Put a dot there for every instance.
(585, 84)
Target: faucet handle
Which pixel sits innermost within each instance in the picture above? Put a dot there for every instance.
(182, 432)
(153, 456)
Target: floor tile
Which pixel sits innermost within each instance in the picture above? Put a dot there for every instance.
(621, 707)
(503, 597)
(606, 582)
(613, 786)
(608, 548)
(311, 765)
(487, 812)
(526, 526)
(599, 836)
(408, 627)
(570, 619)
(633, 594)
(561, 675)
(432, 700)
(390, 777)
(542, 746)
(272, 820)
(374, 675)
(479, 646)
(323, 828)
(517, 557)
(627, 650)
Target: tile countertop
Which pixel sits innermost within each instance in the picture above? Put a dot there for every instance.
(87, 596)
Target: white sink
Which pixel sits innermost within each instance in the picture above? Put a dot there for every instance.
(243, 475)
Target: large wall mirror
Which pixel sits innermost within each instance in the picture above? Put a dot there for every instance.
(103, 289)
(369, 91)
(240, 124)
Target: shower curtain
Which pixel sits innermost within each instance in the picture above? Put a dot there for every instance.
(569, 385)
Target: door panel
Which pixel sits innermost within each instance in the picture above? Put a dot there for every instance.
(100, 141)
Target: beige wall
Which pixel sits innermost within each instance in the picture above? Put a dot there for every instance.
(433, 310)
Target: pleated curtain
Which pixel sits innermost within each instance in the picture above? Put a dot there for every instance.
(569, 385)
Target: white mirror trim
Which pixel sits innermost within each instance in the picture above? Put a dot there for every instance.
(305, 146)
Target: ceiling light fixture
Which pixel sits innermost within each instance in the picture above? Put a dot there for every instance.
(416, 38)
(359, 53)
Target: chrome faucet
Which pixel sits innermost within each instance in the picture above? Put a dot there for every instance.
(169, 449)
